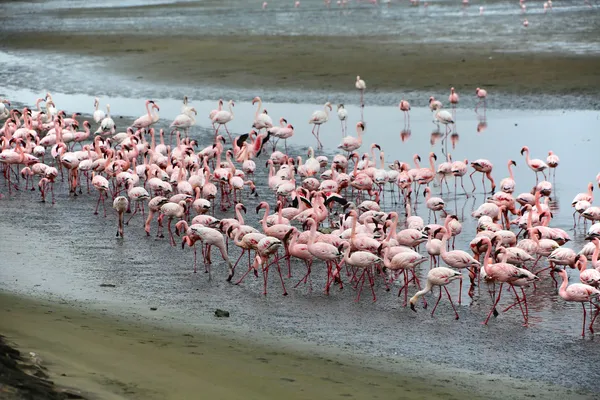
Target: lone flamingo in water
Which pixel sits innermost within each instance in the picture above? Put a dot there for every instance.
(361, 86)
(405, 108)
(482, 98)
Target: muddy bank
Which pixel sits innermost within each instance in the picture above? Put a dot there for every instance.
(331, 63)
(118, 358)
(23, 377)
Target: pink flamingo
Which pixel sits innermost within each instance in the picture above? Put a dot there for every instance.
(552, 161)
(453, 99)
(145, 121)
(440, 276)
(323, 251)
(507, 185)
(405, 108)
(433, 203)
(120, 204)
(535, 164)
(580, 293)
(456, 258)
(365, 261)
(403, 262)
(223, 117)
(485, 167)
(350, 143)
(361, 86)
(500, 272)
(318, 118)
(482, 98)
(459, 169)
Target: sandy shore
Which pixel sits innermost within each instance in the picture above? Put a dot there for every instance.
(324, 63)
(112, 358)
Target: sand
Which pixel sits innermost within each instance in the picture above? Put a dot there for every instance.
(324, 63)
(110, 358)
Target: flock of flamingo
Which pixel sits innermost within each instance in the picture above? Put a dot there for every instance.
(325, 210)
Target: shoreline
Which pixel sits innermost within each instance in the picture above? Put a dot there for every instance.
(324, 64)
(101, 355)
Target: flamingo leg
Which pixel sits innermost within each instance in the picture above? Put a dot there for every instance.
(451, 303)
(494, 306)
(472, 181)
(584, 316)
(437, 302)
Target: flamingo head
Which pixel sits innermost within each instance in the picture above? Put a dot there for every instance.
(154, 105)
(431, 99)
(524, 149)
(328, 104)
(86, 124)
(255, 100)
(512, 162)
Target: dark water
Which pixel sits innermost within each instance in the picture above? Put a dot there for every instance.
(64, 250)
(571, 26)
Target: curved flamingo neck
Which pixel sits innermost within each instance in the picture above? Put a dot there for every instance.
(510, 171)
(416, 161)
(562, 290)
(264, 220)
(238, 214)
(313, 232)
(259, 101)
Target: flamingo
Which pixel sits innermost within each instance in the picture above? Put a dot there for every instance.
(580, 293)
(107, 125)
(552, 161)
(481, 97)
(343, 116)
(148, 119)
(453, 99)
(536, 165)
(98, 114)
(318, 118)
(507, 185)
(350, 143)
(120, 204)
(261, 120)
(405, 108)
(485, 167)
(361, 86)
(440, 276)
(223, 117)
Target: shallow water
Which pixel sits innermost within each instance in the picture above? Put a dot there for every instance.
(148, 272)
(571, 26)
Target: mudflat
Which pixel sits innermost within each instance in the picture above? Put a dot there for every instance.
(323, 62)
(111, 358)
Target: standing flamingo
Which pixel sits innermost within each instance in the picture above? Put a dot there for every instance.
(343, 116)
(223, 117)
(535, 164)
(482, 98)
(440, 276)
(453, 99)
(485, 167)
(361, 86)
(318, 118)
(405, 108)
(552, 160)
(580, 293)
(121, 204)
(350, 143)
